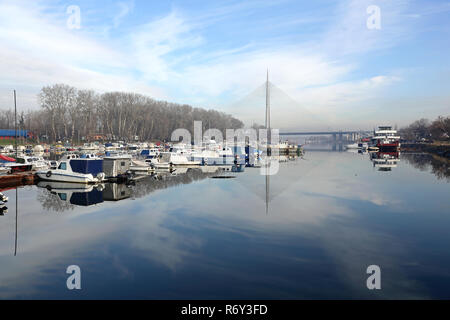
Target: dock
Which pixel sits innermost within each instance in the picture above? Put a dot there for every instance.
(18, 179)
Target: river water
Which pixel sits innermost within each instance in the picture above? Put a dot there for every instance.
(308, 232)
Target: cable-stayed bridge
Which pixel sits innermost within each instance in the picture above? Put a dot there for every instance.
(282, 111)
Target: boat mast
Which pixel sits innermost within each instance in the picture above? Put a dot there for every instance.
(15, 122)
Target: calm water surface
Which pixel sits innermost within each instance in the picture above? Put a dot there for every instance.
(324, 219)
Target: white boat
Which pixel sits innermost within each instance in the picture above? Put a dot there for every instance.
(89, 156)
(206, 156)
(37, 163)
(21, 148)
(386, 138)
(139, 166)
(150, 153)
(113, 146)
(178, 159)
(158, 164)
(53, 164)
(117, 154)
(72, 168)
(7, 149)
(89, 147)
(352, 146)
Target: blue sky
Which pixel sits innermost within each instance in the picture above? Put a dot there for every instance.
(213, 53)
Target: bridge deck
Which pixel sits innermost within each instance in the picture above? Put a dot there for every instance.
(317, 133)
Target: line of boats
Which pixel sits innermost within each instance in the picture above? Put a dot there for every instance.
(123, 162)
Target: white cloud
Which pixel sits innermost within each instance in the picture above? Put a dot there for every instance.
(38, 49)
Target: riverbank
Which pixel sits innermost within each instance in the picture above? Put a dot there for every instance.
(440, 149)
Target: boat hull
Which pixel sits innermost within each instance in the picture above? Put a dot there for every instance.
(64, 177)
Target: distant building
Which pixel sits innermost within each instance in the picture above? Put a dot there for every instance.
(11, 133)
(95, 137)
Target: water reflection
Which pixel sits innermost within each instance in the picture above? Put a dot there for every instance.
(439, 166)
(60, 196)
(167, 237)
(385, 161)
(63, 196)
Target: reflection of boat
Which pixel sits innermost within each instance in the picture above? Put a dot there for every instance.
(58, 186)
(238, 168)
(385, 161)
(3, 199)
(116, 191)
(74, 193)
(74, 169)
(209, 169)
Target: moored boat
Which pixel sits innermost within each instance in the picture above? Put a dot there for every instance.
(386, 138)
(72, 168)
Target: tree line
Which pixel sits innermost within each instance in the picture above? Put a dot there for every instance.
(425, 130)
(67, 113)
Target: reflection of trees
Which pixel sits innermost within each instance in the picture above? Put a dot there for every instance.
(164, 181)
(439, 167)
(51, 201)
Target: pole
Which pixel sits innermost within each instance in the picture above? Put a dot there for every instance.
(15, 121)
(17, 212)
(269, 140)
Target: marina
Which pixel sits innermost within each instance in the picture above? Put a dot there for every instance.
(225, 159)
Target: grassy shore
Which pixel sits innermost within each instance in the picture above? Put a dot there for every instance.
(439, 148)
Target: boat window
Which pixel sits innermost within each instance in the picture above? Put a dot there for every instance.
(122, 164)
(63, 196)
(63, 166)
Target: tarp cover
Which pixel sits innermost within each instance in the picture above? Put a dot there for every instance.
(6, 159)
(87, 166)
